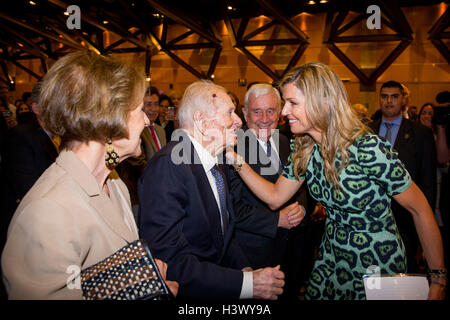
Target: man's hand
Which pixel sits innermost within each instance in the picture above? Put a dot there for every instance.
(268, 283)
(291, 216)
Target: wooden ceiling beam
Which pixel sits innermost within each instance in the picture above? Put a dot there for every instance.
(86, 18)
(190, 46)
(39, 31)
(260, 65)
(214, 61)
(261, 29)
(182, 19)
(184, 64)
(369, 38)
(32, 47)
(30, 72)
(437, 33)
(180, 38)
(278, 15)
(271, 42)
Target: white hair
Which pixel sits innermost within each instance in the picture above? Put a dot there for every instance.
(260, 89)
(199, 95)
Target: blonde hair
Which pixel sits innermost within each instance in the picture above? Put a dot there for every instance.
(87, 97)
(328, 110)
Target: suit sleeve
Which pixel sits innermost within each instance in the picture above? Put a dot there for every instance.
(164, 193)
(428, 178)
(20, 165)
(251, 217)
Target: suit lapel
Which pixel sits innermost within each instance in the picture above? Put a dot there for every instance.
(149, 144)
(161, 135)
(404, 133)
(112, 215)
(209, 201)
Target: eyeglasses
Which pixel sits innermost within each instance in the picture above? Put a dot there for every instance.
(149, 104)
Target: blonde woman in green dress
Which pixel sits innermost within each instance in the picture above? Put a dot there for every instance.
(354, 174)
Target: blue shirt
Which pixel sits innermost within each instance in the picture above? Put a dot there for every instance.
(394, 130)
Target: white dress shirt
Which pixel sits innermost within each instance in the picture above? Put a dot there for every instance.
(208, 162)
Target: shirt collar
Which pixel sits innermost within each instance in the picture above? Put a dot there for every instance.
(207, 160)
(396, 121)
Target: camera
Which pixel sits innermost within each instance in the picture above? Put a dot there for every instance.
(442, 115)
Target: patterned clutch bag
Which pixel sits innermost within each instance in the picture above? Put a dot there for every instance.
(129, 274)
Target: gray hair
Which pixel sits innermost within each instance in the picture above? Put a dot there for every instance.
(260, 89)
(36, 92)
(198, 96)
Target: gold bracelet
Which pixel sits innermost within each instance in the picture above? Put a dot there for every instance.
(239, 163)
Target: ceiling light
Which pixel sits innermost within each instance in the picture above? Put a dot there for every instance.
(32, 3)
(323, 1)
(66, 13)
(311, 2)
(105, 22)
(230, 8)
(147, 79)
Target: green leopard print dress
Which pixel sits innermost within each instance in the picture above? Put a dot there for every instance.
(360, 231)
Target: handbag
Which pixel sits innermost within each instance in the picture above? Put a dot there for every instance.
(130, 273)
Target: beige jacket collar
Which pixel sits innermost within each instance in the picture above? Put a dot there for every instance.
(109, 208)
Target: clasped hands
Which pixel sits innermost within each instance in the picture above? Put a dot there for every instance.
(268, 282)
(291, 216)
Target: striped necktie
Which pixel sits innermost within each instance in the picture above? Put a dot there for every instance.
(220, 184)
(154, 136)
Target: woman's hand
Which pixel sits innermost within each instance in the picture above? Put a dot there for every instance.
(231, 156)
(173, 285)
(437, 291)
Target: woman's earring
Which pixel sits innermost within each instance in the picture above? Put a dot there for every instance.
(111, 157)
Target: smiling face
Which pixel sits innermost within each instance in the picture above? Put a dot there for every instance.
(151, 107)
(392, 102)
(262, 114)
(221, 128)
(426, 117)
(295, 110)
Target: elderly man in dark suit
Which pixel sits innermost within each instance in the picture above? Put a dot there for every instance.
(186, 214)
(416, 149)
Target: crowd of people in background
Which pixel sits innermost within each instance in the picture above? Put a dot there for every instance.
(238, 223)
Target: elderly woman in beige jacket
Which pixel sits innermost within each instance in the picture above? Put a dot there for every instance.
(76, 214)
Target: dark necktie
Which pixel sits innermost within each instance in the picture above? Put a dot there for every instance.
(387, 136)
(220, 184)
(274, 160)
